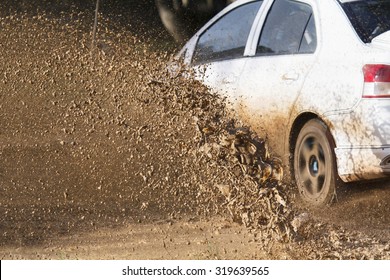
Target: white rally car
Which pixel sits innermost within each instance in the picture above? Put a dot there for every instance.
(313, 75)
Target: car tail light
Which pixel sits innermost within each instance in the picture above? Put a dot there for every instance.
(376, 81)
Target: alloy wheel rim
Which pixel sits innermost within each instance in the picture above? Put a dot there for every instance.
(311, 167)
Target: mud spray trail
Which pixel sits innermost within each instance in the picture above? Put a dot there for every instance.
(105, 154)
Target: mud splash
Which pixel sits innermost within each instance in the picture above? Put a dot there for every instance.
(106, 137)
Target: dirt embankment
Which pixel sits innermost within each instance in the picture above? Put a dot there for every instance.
(105, 144)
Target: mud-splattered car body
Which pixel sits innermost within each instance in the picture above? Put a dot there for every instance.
(293, 67)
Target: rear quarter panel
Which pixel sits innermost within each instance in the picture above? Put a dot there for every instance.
(334, 84)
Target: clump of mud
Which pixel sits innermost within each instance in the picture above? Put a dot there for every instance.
(106, 135)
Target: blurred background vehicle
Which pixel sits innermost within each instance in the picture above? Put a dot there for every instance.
(182, 18)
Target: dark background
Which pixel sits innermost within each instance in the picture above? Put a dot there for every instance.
(141, 17)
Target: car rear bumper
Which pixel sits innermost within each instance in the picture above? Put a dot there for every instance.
(362, 138)
(363, 163)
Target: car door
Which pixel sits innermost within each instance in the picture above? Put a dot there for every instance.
(218, 55)
(272, 79)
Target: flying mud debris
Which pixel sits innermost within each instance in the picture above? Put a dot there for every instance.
(112, 138)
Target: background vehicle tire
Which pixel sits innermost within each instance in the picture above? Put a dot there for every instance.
(314, 164)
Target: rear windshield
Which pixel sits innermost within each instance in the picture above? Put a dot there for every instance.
(370, 18)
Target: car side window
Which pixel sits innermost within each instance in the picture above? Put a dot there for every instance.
(288, 29)
(226, 38)
(309, 39)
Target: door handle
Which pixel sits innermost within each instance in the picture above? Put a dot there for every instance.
(229, 80)
(290, 76)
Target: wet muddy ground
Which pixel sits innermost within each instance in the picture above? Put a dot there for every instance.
(102, 143)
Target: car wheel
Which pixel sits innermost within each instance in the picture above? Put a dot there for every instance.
(315, 164)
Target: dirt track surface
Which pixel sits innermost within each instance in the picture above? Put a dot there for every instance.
(103, 154)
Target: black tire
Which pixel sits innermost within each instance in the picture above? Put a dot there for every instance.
(315, 164)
